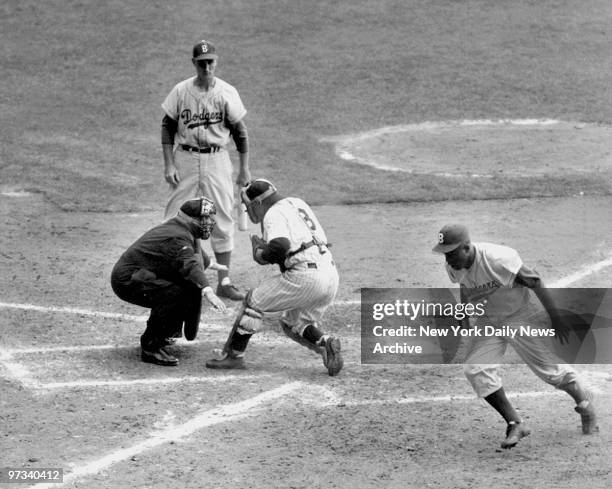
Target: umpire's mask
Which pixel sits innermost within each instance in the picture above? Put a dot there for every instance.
(202, 211)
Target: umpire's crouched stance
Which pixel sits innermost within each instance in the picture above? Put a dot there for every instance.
(164, 271)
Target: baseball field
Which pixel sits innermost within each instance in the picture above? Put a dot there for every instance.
(392, 118)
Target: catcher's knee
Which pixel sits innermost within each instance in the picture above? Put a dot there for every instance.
(251, 319)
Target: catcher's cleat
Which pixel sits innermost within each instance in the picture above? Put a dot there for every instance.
(230, 291)
(332, 358)
(514, 433)
(227, 361)
(588, 418)
(158, 356)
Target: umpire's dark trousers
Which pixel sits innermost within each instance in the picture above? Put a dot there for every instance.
(171, 303)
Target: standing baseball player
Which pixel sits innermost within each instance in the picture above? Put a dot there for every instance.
(202, 113)
(294, 240)
(496, 277)
(164, 271)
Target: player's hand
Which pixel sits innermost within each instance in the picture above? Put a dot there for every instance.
(171, 175)
(217, 303)
(257, 247)
(244, 177)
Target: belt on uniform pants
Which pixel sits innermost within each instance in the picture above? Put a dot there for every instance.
(208, 149)
(314, 265)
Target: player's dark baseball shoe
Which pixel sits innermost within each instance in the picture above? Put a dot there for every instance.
(332, 358)
(230, 291)
(227, 361)
(158, 356)
(588, 418)
(514, 433)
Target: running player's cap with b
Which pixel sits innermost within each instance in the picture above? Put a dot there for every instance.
(451, 237)
(204, 50)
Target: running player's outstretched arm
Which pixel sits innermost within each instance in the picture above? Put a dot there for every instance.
(531, 279)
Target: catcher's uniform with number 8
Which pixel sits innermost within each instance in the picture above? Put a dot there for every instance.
(294, 239)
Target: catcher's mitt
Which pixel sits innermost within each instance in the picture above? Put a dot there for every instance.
(257, 246)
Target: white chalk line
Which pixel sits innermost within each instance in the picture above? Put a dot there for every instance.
(431, 125)
(428, 399)
(222, 414)
(107, 315)
(344, 143)
(150, 381)
(582, 273)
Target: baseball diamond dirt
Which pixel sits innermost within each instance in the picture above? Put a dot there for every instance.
(390, 119)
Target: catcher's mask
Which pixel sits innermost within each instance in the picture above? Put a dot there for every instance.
(201, 210)
(253, 194)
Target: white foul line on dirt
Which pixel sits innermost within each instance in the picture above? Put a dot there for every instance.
(72, 310)
(149, 381)
(427, 399)
(566, 281)
(582, 273)
(222, 414)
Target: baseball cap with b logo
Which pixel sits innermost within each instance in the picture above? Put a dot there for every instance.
(204, 50)
(451, 237)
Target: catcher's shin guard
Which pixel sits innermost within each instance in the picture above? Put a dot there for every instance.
(241, 309)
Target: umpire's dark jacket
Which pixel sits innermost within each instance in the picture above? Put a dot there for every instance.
(166, 253)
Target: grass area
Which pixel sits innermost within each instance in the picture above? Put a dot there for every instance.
(84, 81)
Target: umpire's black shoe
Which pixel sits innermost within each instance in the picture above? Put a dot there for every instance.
(158, 356)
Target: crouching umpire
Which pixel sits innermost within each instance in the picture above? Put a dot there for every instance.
(164, 271)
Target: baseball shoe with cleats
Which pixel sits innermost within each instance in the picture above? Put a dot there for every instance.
(332, 358)
(514, 433)
(158, 356)
(588, 418)
(227, 361)
(230, 291)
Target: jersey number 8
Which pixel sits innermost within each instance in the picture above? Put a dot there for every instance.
(307, 219)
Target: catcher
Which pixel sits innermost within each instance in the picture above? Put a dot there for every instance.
(164, 271)
(294, 240)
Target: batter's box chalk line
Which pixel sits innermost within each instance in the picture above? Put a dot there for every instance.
(177, 433)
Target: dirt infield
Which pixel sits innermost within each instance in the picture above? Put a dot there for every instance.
(75, 394)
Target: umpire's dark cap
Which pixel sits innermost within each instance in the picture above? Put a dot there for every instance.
(451, 237)
(204, 50)
(198, 208)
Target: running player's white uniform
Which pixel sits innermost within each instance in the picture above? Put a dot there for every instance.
(491, 279)
(309, 282)
(202, 117)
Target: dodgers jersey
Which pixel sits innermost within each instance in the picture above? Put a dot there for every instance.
(292, 218)
(201, 115)
(491, 277)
